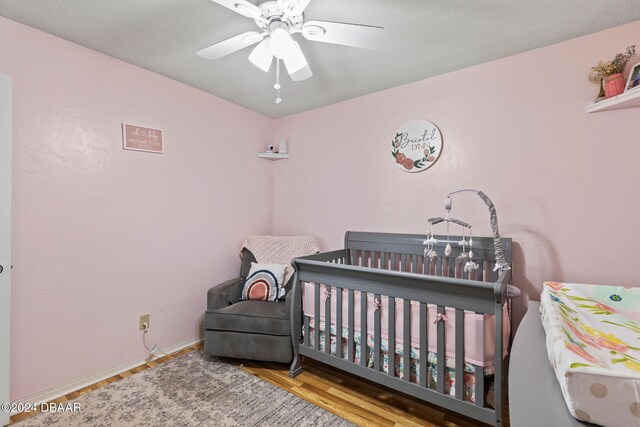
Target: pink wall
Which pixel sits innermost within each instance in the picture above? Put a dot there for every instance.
(102, 235)
(564, 182)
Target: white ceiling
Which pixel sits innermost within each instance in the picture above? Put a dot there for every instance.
(423, 38)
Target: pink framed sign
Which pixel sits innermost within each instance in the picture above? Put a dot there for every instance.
(139, 138)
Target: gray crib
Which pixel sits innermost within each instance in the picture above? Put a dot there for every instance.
(393, 266)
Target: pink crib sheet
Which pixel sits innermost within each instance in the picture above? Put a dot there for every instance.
(478, 328)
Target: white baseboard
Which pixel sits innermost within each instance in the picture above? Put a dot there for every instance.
(52, 393)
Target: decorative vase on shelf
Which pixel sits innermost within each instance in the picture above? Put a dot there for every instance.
(614, 85)
(601, 95)
(283, 148)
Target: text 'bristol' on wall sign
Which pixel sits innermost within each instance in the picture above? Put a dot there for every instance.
(416, 146)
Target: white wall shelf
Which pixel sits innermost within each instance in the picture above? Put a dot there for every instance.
(273, 156)
(624, 100)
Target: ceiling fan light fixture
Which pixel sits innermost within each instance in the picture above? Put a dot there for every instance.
(302, 74)
(295, 61)
(261, 56)
(282, 45)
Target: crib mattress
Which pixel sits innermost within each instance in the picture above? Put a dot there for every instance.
(593, 340)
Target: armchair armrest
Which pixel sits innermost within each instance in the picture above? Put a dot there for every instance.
(287, 301)
(225, 294)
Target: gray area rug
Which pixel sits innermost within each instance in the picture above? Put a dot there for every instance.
(192, 390)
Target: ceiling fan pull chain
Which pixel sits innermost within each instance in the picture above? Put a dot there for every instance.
(277, 85)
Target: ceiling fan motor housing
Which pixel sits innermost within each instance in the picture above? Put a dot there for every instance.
(272, 12)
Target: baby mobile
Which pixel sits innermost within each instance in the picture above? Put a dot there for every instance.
(429, 251)
(470, 265)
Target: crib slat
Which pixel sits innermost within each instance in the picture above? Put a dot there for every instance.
(393, 262)
(306, 331)
(327, 321)
(479, 375)
(425, 265)
(339, 323)
(486, 265)
(372, 260)
(406, 357)
(424, 345)
(316, 318)
(497, 364)
(433, 266)
(441, 360)
(458, 270)
(351, 326)
(403, 262)
(363, 328)
(479, 388)
(459, 353)
(377, 334)
(391, 355)
(414, 263)
(385, 260)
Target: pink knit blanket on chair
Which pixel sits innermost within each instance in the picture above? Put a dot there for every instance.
(281, 249)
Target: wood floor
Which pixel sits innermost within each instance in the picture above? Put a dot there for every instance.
(359, 401)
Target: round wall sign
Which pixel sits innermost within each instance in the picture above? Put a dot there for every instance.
(416, 146)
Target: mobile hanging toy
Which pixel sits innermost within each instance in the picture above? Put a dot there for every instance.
(470, 265)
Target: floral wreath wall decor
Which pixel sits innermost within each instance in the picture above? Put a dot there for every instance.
(416, 146)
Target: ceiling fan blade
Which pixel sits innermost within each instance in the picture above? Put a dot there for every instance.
(231, 45)
(297, 65)
(303, 5)
(243, 7)
(293, 7)
(356, 35)
(261, 56)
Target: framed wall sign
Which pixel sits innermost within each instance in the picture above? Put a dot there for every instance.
(139, 138)
(416, 146)
(633, 82)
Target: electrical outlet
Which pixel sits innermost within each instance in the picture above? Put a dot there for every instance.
(144, 319)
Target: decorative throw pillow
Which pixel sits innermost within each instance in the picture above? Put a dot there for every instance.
(264, 282)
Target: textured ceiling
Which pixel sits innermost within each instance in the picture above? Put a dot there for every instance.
(423, 38)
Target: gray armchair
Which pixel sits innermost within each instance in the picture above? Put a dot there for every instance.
(255, 330)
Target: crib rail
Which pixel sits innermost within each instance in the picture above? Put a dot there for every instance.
(450, 291)
(392, 266)
(405, 252)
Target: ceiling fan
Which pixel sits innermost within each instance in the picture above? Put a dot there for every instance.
(278, 20)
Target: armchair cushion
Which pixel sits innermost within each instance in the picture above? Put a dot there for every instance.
(254, 317)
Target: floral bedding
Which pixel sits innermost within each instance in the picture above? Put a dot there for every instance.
(593, 342)
(450, 373)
